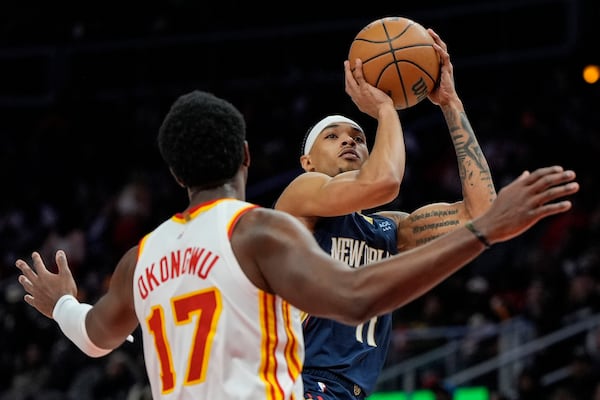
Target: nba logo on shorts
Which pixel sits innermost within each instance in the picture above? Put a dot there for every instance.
(322, 386)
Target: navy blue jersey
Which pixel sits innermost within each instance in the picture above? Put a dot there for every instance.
(354, 353)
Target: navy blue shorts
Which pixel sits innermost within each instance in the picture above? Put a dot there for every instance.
(324, 385)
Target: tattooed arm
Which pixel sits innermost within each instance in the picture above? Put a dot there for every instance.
(433, 220)
(475, 177)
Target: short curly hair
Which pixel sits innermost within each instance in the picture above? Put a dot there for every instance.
(202, 139)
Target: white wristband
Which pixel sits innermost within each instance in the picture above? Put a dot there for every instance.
(70, 316)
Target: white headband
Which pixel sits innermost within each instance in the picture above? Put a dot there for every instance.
(321, 125)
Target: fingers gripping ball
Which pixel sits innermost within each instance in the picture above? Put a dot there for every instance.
(398, 57)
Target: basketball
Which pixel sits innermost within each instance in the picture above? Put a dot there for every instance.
(398, 57)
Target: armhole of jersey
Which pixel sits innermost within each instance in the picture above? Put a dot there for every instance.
(236, 217)
(141, 245)
(303, 316)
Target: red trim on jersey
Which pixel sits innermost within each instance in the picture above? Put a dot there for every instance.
(234, 220)
(197, 209)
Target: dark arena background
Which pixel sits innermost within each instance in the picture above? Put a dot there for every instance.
(84, 87)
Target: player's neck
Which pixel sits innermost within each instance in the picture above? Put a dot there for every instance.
(202, 195)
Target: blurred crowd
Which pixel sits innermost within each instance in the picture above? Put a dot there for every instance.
(84, 175)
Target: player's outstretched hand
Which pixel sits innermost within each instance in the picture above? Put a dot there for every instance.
(525, 201)
(44, 287)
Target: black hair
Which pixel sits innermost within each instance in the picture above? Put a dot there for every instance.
(202, 139)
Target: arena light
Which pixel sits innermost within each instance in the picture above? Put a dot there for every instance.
(591, 73)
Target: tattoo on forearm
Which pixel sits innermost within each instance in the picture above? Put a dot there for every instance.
(428, 232)
(435, 226)
(433, 214)
(433, 223)
(426, 239)
(452, 119)
(467, 148)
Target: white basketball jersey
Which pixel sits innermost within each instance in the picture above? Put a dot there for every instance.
(208, 332)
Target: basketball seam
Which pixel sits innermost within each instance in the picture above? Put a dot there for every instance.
(383, 53)
(393, 53)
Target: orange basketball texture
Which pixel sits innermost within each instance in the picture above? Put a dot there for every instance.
(398, 57)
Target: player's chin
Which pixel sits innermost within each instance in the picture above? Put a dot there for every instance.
(350, 166)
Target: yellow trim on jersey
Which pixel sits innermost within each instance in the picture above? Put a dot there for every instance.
(236, 216)
(291, 348)
(303, 315)
(184, 217)
(142, 244)
(367, 218)
(270, 341)
(268, 365)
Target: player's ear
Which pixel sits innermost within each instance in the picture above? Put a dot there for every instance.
(246, 160)
(306, 163)
(179, 182)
